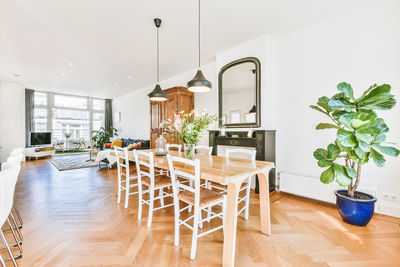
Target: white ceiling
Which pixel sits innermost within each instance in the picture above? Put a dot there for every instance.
(108, 41)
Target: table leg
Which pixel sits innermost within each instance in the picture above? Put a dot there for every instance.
(265, 219)
(230, 225)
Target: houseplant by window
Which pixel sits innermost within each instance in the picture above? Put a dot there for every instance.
(103, 136)
(189, 128)
(360, 137)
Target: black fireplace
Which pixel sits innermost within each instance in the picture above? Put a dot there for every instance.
(262, 140)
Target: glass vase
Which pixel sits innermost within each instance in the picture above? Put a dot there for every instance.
(161, 143)
(189, 151)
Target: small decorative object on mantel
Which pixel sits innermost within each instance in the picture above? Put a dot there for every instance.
(189, 128)
(360, 136)
(250, 133)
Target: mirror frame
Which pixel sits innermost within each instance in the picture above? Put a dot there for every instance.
(256, 124)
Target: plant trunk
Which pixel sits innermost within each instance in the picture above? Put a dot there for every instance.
(352, 188)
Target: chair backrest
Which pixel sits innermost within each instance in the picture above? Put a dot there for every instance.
(121, 154)
(144, 159)
(178, 147)
(175, 164)
(247, 153)
(208, 149)
(8, 179)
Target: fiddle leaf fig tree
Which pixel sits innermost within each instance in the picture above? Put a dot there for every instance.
(361, 134)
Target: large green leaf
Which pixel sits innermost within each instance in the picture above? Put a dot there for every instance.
(368, 90)
(356, 123)
(341, 103)
(339, 113)
(333, 151)
(367, 138)
(318, 109)
(378, 158)
(321, 154)
(378, 98)
(360, 153)
(351, 172)
(342, 178)
(364, 146)
(326, 126)
(346, 89)
(379, 138)
(378, 126)
(346, 138)
(346, 121)
(328, 176)
(366, 115)
(390, 151)
(323, 102)
(324, 163)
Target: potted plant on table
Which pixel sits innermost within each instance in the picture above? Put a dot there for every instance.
(103, 136)
(360, 136)
(189, 128)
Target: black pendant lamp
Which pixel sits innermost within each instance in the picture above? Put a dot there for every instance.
(199, 83)
(158, 94)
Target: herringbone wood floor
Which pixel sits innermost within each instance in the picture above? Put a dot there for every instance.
(72, 219)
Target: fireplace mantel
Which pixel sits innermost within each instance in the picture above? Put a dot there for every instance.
(262, 140)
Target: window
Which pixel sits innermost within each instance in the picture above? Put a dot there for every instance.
(62, 114)
(40, 112)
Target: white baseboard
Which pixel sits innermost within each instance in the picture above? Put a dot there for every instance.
(313, 188)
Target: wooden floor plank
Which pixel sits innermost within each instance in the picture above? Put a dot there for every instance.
(72, 219)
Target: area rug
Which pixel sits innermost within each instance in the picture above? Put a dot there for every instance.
(73, 162)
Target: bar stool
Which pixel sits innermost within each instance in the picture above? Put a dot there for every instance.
(8, 179)
(198, 197)
(130, 181)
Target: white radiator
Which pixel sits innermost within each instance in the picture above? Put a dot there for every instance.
(312, 188)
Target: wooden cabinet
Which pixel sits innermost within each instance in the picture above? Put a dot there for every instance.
(179, 99)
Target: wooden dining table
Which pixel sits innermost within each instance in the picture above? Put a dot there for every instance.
(231, 172)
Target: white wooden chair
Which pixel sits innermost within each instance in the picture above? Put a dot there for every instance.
(178, 147)
(207, 149)
(249, 154)
(145, 170)
(198, 197)
(123, 168)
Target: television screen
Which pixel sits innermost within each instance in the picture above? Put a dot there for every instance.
(38, 139)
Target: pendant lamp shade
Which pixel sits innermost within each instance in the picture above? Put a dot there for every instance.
(158, 94)
(199, 83)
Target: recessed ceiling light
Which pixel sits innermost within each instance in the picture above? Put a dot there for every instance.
(116, 84)
(71, 64)
(63, 74)
(104, 90)
(129, 77)
(16, 75)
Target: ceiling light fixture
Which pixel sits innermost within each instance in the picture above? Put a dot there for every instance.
(199, 83)
(158, 94)
(71, 64)
(116, 84)
(62, 74)
(130, 77)
(16, 75)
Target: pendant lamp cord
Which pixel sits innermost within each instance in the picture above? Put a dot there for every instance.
(158, 59)
(199, 34)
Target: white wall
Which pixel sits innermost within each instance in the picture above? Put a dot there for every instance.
(12, 117)
(361, 47)
(135, 107)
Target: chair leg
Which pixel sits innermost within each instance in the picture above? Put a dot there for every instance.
(200, 220)
(119, 188)
(2, 262)
(210, 207)
(15, 236)
(8, 248)
(177, 215)
(195, 231)
(247, 203)
(161, 195)
(191, 185)
(16, 226)
(151, 205)
(127, 192)
(140, 202)
(21, 222)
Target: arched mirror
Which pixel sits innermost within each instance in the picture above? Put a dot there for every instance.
(239, 94)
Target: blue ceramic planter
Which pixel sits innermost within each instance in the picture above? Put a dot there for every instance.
(355, 211)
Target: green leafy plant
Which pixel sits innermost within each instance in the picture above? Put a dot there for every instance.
(103, 136)
(189, 127)
(67, 135)
(361, 134)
